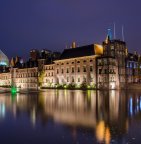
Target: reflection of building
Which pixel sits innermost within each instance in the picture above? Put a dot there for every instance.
(107, 115)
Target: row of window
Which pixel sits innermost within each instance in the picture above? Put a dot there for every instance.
(28, 85)
(49, 74)
(106, 71)
(84, 61)
(133, 65)
(5, 77)
(72, 70)
(72, 79)
(28, 81)
(27, 75)
(106, 79)
(49, 68)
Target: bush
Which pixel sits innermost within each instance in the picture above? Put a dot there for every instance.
(83, 86)
(71, 86)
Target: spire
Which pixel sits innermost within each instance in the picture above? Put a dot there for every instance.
(114, 30)
(109, 34)
(122, 32)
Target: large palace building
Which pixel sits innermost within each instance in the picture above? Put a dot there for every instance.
(105, 66)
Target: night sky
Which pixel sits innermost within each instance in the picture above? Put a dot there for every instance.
(53, 24)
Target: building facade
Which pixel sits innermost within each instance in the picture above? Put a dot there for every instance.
(106, 66)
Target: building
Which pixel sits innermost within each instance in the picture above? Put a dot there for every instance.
(105, 66)
(77, 65)
(111, 65)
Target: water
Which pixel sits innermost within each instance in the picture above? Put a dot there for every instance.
(71, 117)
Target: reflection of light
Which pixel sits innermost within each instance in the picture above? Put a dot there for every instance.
(2, 110)
(131, 105)
(107, 136)
(137, 105)
(89, 94)
(140, 103)
(33, 116)
(100, 131)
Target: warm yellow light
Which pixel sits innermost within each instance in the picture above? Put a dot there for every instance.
(98, 49)
(100, 131)
(107, 136)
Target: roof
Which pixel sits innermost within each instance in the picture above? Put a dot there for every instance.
(82, 51)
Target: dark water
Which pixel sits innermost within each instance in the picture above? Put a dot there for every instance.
(71, 117)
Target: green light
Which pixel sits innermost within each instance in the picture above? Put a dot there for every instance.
(13, 90)
(65, 86)
(88, 86)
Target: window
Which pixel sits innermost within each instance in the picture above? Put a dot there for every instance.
(91, 68)
(91, 79)
(72, 62)
(84, 68)
(91, 60)
(78, 70)
(84, 61)
(67, 79)
(67, 70)
(72, 69)
(72, 79)
(57, 71)
(105, 71)
(78, 61)
(100, 71)
(78, 79)
(84, 79)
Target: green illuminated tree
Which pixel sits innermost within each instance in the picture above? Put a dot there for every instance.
(41, 77)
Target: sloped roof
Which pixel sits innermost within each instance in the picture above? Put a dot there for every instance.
(78, 52)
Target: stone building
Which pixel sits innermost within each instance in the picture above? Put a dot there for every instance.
(106, 66)
(76, 66)
(111, 65)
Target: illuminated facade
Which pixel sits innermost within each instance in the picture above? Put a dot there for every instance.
(106, 66)
(26, 78)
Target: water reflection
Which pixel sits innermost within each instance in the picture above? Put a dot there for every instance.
(106, 115)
